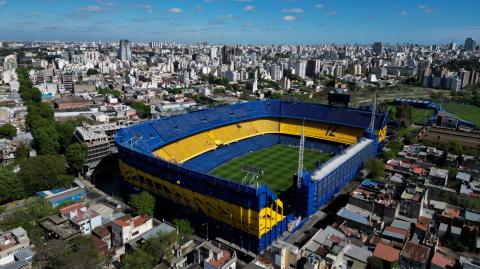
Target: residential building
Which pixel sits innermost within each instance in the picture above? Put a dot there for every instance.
(86, 220)
(125, 51)
(387, 254)
(128, 228)
(11, 242)
(414, 256)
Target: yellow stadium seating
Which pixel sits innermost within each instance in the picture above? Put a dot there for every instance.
(192, 146)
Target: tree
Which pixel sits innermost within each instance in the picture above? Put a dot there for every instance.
(23, 152)
(403, 114)
(375, 167)
(184, 227)
(11, 188)
(43, 173)
(77, 253)
(143, 203)
(141, 108)
(75, 155)
(138, 260)
(8, 131)
(92, 71)
(65, 135)
(46, 140)
(160, 246)
(29, 216)
(374, 263)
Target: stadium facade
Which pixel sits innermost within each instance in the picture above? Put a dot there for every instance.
(172, 157)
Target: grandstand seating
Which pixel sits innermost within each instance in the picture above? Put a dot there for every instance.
(192, 146)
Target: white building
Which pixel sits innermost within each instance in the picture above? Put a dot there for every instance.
(300, 68)
(83, 219)
(276, 72)
(126, 228)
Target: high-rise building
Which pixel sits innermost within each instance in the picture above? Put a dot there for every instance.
(313, 67)
(276, 72)
(227, 54)
(377, 48)
(469, 44)
(67, 80)
(125, 51)
(300, 68)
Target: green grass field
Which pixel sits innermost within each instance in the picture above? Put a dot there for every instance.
(418, 114)
(279, 164)
(465, 112)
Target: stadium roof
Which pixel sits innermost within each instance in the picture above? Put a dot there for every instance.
(333, 163)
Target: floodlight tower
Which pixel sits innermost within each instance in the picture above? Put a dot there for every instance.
(300, 160)
(371, 127)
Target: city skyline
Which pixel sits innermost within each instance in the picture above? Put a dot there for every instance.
(242, 21)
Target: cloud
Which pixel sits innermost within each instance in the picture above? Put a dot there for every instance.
(147, 8)
(3, 2)
(289, 18)
(106, 3)
(319, 5)
(425, 8)
(331, 14)
(175, 10)
(402, 13)
(198, 8)
(226, 17)
(249, 8)
(92, 8)
(248, 24)
(292, 10)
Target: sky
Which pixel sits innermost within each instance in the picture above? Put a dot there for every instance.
(242, 21)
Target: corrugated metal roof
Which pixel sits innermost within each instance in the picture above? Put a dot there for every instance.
(347, 214)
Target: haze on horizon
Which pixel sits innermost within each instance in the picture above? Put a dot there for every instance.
(242, 21)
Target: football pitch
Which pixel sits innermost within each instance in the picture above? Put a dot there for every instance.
(464, 111)
(419, 115)
(279, 163)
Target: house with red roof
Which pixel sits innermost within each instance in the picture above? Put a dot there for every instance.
(128, 228)
(414, 256)
(82, 218)
(440, 261)
(387, 254)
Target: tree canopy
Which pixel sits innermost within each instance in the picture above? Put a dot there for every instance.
(43, 172)
(403, 114)
(184, 227)
(374, 263)
(75, 155)
(11, 188)
(143, 203)
(77, 253)
(375, 168)
(8, 131)
(151, 252)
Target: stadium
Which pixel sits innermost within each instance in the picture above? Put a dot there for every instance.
(237, 165)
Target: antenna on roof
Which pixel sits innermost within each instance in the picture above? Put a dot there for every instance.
(300, 157)
(374, 110)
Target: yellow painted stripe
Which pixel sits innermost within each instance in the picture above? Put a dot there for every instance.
(247, 220)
